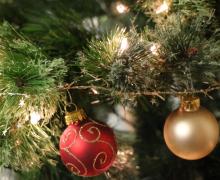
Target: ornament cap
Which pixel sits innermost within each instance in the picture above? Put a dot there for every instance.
(75, 116)
(189, 103)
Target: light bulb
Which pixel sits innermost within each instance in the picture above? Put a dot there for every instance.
(94, 91)
(121, 8)
(154, 49)
(163, 8)
(95, 102)
(124, 44)
(21, 102)
(35, 117)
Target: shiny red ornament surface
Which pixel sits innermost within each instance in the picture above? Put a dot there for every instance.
(88, 148)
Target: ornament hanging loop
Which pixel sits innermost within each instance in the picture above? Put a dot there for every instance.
(74, 114)
(189, 103)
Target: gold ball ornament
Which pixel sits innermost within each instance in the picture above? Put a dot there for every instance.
(191, 132)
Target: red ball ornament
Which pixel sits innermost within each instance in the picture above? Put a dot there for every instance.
(88, 148)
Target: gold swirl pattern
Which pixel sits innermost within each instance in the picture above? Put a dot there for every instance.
(73, 168)
(102, 160)
(89, 163)
(91, 130)
(84, 172)
(106, 156)
(68, 137)
(112, 149)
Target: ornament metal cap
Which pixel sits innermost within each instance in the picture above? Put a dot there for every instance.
(75, 116)
(189, 103)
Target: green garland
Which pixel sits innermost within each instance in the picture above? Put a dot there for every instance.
(166, 59)
(118, 63)
(187, 49)
(27, 147)
(186, 7)
(28, 85)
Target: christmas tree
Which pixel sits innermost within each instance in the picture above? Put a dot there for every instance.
(109, 89)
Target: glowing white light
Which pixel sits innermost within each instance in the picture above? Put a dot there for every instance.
(19, 125)
(5, 132)
(21, 102)
(124, 44)
(163, 8)
(94, 91)
(95, 102)
(154, 49)
(35, 117)
(121, 8)
(183, 130)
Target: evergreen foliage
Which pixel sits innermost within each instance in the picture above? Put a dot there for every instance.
(28, 84)
(115, 56)
(181, 49)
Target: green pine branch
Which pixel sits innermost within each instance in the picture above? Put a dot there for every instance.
(28, 84)
(181, 48)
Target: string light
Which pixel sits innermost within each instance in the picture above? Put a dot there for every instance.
(95, 102)
(124, 44)
(94, 91)
(121, 8)
(17, 142)
(163, 8)
(35, 117)
(22, 102)
(154, 49)
(5, 132)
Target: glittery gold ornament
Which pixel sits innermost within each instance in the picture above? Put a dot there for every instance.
(191, 132)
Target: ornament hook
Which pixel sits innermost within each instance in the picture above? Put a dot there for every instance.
(74, 115)
(189, 103)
